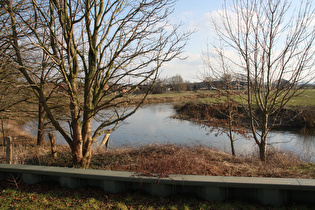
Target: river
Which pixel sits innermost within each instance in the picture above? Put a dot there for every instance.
(154, 124)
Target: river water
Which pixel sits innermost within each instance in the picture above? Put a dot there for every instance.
(154, 124)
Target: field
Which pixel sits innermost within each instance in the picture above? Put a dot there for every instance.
(306, 98)
(303, 98)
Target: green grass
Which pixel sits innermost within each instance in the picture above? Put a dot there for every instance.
(52, 197)
(310, 168)
(184, 93)
(304, 98)
(168, 94)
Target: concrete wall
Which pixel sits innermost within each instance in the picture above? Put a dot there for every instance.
(267, 191)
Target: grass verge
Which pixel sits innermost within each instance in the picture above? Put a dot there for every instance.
(43, 196)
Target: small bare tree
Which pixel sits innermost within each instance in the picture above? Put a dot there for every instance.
(275, 47)
(104, 50)
(220, 77)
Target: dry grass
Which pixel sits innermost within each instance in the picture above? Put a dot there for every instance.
(162, 160)
(198, 160)
(25, 149)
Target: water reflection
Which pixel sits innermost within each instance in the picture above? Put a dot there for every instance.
(154, 124)
(303, 145)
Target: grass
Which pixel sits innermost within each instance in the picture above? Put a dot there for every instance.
(177, 96)
(304, 98)
(43, 196)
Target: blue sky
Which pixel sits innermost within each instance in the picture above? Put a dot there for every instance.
(194, 16)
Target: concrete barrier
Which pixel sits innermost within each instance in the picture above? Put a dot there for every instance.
(267, 191)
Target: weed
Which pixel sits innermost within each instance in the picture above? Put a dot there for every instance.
(121, 206)
(14, 181)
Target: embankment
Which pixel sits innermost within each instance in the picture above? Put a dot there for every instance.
(288, 118)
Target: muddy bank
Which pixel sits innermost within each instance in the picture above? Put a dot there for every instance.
(301, 118)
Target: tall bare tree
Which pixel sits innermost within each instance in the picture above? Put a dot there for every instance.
(274, 43)
(104, 50)
(13, 90)
(31, 57)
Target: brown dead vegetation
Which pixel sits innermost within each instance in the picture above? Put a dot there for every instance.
(162, 160)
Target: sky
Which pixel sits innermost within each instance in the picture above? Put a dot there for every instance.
(194, 16)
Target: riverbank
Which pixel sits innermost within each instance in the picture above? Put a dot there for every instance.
(150, 160)
(165, 159)
(292, 118)
(161, 160)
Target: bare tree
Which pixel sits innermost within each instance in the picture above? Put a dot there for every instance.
(47, 78)
(177, 83)
(219, 77)
(274, 43)
(33, 58)
(108, 47)
(13, 90)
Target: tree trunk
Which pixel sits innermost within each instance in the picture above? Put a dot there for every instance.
(76, 150)
(232, 146)
(263, 139)
(263, 150)
(230, 126)
(76, 146)
(86, 160)
(105, 141)
(41, 125)
(53, 145)
(75, 127)
(87, 142)
(9, 150)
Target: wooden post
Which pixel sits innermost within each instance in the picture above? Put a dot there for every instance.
(53, 145)
(9, 149)
(2, 128)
